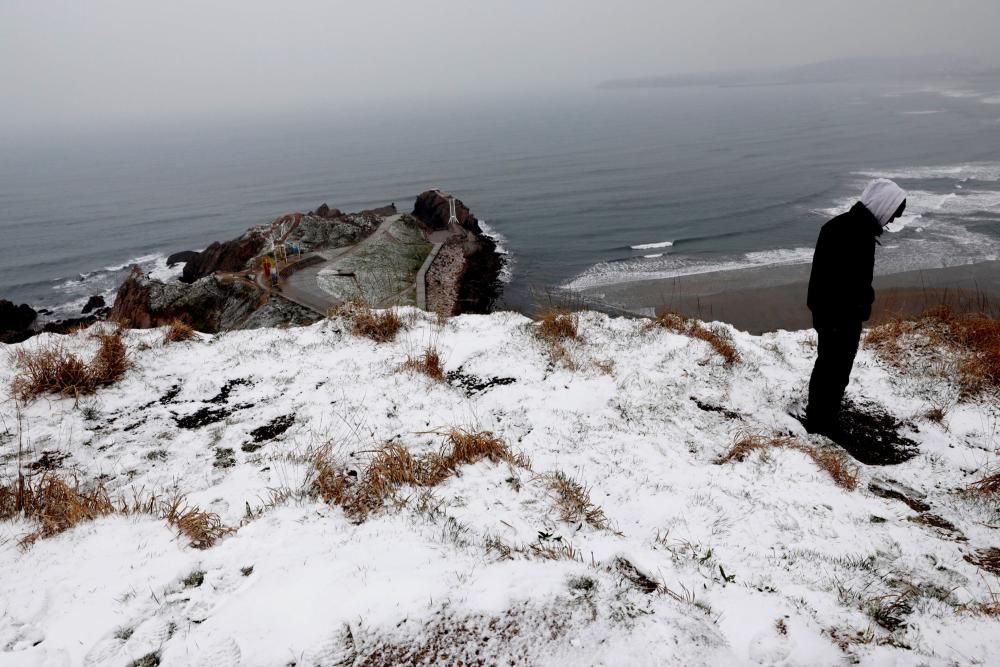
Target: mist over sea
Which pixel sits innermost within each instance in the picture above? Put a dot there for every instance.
(596, 188)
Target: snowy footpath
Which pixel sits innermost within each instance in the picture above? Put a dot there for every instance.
(674, 559)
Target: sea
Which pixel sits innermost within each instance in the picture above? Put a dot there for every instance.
(581, 189)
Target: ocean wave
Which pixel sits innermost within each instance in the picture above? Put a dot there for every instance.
(926, 112)
(993, 99)
(970, 171)
(652, 246)
(72, 294)
(674, 266)
(507, 270)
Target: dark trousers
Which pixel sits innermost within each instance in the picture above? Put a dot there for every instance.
(838, 345)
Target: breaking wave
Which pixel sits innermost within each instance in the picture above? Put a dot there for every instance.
(652, 246)
(507, 272)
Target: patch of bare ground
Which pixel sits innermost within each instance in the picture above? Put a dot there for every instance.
(392, 467)
(57, 504)
(178, 332)
(718, 339)
(966, 348)
(428, 363)
(986, 559)
(835, 464)
(52, 369)
(380, 326)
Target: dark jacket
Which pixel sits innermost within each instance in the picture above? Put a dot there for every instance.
(840, 285)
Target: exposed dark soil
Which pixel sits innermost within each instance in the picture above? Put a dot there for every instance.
(472, 384)
(939, 522)
(887, 491)
(707, 407)
(872, 436)
(268, 431)
(988, 559)
(49, 460)
(224, 458)
(171, 395)
(223, 395)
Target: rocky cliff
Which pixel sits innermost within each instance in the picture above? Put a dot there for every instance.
(16, 321)
(229, 256)
(465, 276)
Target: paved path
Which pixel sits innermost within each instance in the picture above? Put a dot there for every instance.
(302, 286)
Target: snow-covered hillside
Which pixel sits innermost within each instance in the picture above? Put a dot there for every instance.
(684, 561)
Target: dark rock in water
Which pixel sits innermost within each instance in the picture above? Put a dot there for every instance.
(15, 322)
(432, 209)
(70, 324)
(323, 211)
(209, 305)
(93, 303)
(182, 257)
(465, 276)
(231, 256)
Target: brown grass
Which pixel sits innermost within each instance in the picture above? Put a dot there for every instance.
(987, 559)
(51, 369)
(178, 332)
(392, 467)
(381, 327)
(974, 341)
(573, 500)
(557, 325)
(989, 485)
(835, 464)
(720, 342)
(429, 363)
(58, 504)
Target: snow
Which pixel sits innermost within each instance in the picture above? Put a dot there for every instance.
(761, 562)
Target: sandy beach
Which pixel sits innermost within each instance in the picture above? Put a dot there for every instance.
(772, 298)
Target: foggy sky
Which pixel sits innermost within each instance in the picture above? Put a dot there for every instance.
(75, 62)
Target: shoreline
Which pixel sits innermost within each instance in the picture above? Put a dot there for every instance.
(763, 299)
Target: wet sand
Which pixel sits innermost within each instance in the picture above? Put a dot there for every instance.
(771, 298)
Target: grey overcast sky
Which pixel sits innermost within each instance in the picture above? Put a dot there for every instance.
(91, 61)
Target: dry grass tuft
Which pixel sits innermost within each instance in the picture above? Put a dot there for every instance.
(989, 485)
(58, 505)
(973, 340)
(834, 463)
(557, 324)
(987, 559)
(573, 500)
(718, 340)
(51, 369)
(178, 332)
(380, 326)
(392, 467)
(429, 364)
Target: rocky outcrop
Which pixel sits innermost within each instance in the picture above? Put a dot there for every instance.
(16, 321)
(182, 257)
(465, 275)
(95, 302)
(432, 209)
(209, 305)
(231, 256)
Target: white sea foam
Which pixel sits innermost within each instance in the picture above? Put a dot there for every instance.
(652, 246)
(659, 254)
(614, 273)
(507, 271)
(971, 171)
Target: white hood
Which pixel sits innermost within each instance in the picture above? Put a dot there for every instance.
(882, 197)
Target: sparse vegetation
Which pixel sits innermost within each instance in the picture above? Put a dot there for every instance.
(429, 363)
(719, 340)
(971, 341)
(380, 326)
(573, 500)
(392, 466)
(557, 325)
(52, 369)
(988, 485)
(58, 505)
(834, 463)
(178, 331)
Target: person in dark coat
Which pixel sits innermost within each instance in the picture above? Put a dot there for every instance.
(841, 295)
